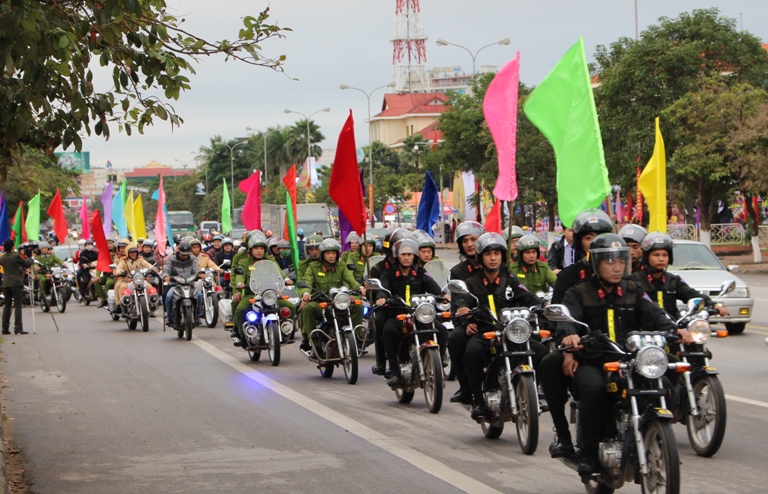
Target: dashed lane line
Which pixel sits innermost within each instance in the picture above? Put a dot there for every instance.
(415, 458)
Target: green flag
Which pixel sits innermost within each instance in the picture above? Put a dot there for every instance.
(226, 210)
(33, 218)
(292, 230)
(123, 195)
(563, 108)
(18, 225)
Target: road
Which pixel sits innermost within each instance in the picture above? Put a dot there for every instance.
(98, 408)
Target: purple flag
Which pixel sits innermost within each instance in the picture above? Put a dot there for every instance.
(106, 201)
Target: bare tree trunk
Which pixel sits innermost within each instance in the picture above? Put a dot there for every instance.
(705, 211)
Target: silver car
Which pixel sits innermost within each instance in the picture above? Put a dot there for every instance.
(701, 269)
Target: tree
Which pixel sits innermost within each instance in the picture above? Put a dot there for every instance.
(640, 79)
(47, 90)
(295, 144)
(705, 120)
(37, 173)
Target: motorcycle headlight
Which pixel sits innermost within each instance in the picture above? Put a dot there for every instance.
(269, 298)
(425, 313)
(518, 331)
(138, 278)
(209, 277)
(341, 301)
(252, 317)
(700, 330)
(652, 362)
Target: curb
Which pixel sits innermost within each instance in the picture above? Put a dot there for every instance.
(3, 473)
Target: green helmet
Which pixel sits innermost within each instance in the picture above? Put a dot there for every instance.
(329, 244)
(257, 239)
(312, 241)
(517, 232)
(368, 239)
(528, 242)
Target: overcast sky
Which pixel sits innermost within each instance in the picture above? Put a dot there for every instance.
(348, 42)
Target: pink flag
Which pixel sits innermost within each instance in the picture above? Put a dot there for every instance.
(160, 225)
(252, 207)
(85, 229)
(500, 110)
(245, 185)
(619, 208)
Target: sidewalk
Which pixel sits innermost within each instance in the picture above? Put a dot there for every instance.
(746, 263)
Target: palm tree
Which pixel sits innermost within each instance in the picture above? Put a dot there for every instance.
(414, 148)
(296, 141)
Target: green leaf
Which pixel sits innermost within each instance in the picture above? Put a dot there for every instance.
(63, 41)
(160, 112)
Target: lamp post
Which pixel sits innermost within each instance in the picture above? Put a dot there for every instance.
(309, 151)
(264, 135)
(442, 42)
(370, 140)
(232, 171)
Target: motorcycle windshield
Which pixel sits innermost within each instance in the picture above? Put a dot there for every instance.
(438, 271)
(374, 260)
(266, 275)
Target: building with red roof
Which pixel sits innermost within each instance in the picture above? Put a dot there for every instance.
(403, 115)
(153, 170)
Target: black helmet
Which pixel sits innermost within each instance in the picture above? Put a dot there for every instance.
(608, 246)
(590, 221)
(393, 237)
(185, 248)
(488, 242)
(132, 248)
(633, 233)
(528, 242)
(657, 241)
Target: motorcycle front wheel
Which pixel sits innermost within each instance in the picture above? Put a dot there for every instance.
(132, 323)
(61, 298)
(404, 396)
(212, 312)
(433, 383)
(528, 414)
(273, 333)
(350, 357)
(706, 431)
(144, 312)
(663, 462)
(595, 487)
(189, 322)
(327, 371)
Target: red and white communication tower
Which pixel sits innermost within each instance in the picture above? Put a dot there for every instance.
(409, 57)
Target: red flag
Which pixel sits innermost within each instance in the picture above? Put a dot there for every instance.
(630, 206)
(493, 218)
(97, 230)
(344, 186)
(56, 212)
(290, 183)
(252, 206)
(434, 139)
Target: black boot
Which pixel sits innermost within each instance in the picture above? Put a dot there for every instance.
(378, 370)
(589, 463)
(478, 408)
(394, 369)
(462, 396)
(562, 447)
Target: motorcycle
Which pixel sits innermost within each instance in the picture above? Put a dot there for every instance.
(58, 291)
(138, 301)
(334, 342)
(437, 269)
(700, 399)
(211, 293)
(184, 305)
(638, 443)
(261, 328)
(509, 389)
(420, 362)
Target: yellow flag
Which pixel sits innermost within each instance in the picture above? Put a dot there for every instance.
(653, 184)
(128, 214)
(138, 219)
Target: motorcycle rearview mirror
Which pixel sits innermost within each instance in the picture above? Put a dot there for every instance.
(302, 284)
(239, 271)
(227, 263)
(373, 284)
(457, 286)
(727, 287)
(351, 267)
(113, 266)
(560, 313)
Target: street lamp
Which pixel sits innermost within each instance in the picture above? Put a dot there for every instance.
(370, 139)
(232, 171)
(442, 42)
(309, 152)
(264, 135)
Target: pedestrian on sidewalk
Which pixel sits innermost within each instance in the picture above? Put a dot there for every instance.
(12, 263)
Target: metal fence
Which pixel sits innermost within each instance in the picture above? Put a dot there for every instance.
(683, 231)
(762, 236)
(727, 234)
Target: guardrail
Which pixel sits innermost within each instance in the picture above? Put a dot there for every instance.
(727, 234)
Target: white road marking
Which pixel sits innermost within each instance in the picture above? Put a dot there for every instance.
(415, 458)
(747, 401)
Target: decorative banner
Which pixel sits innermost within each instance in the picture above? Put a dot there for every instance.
(32, 225)
(500, 110)
(653, 184)
(138, 219)
(429, 206)
(226, 210)
(85, 227)
(344, 186)
(161, 219)
(290, 184)
(106, 202)
(5, 226)
(18, 232)
(638, 196)
(251, 215)
(56, 212)
(104, 259)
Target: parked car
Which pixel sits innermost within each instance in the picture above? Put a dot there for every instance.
(698, 266)
(206, 229)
